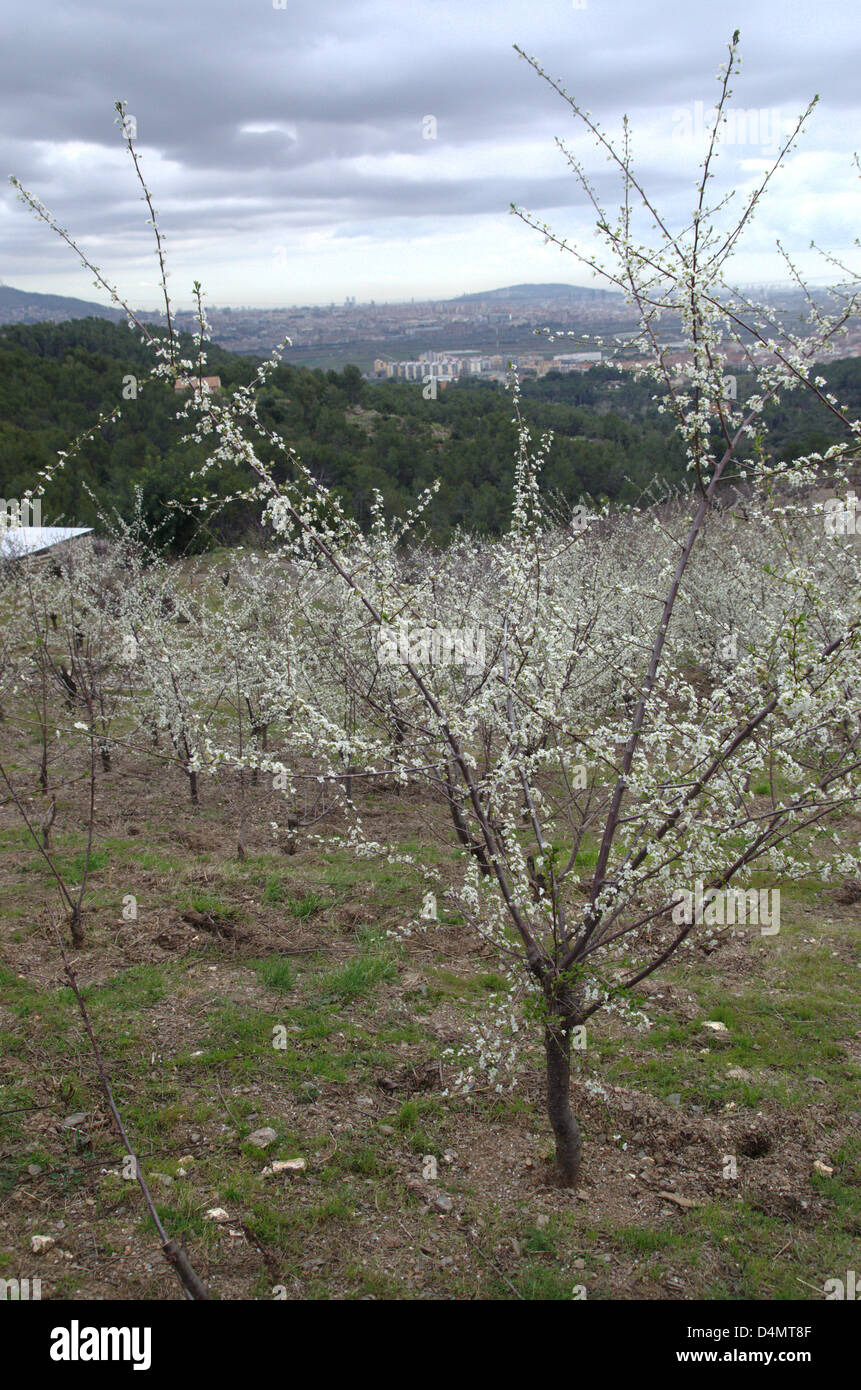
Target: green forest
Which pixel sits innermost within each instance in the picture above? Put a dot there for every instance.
(610, 441)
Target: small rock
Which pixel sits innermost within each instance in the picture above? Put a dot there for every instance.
(216, 1214)
(33, 1169)
(387, 1129)
(284, 1165)
(579, 1264)
(262, 1138)
(822, 1168)
(72, 1121)
(678, 1200)
(714, 1026)
(738, 1074)
(674, 1099)
(542, 1220)
(39, 1244)
(441, 1202)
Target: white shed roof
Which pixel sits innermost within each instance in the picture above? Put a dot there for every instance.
(16, 541)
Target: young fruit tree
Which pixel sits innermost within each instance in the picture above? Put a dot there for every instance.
(629, 719)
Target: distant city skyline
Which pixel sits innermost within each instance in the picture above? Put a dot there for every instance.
(353, 302)
(306, 154)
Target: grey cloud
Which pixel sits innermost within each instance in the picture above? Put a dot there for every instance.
(346, 81)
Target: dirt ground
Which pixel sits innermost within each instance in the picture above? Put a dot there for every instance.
(719, 1163)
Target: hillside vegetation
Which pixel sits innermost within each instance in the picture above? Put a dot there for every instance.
(610, 441)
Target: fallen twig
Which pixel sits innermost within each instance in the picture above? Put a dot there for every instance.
(495, 1267)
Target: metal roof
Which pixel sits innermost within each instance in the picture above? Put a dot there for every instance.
(17, 541)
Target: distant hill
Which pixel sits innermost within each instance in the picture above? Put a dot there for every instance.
(24, 306)
(576, 294)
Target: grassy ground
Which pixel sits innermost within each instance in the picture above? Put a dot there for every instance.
(267, 992)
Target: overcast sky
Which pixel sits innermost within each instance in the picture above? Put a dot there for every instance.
(288, 155)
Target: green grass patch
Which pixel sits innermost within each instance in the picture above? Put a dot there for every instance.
(276, 972)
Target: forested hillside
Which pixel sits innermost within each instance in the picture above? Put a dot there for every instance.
(610, 440)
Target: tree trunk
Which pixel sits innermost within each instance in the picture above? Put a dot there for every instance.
(557, 1048)
(76, 926)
